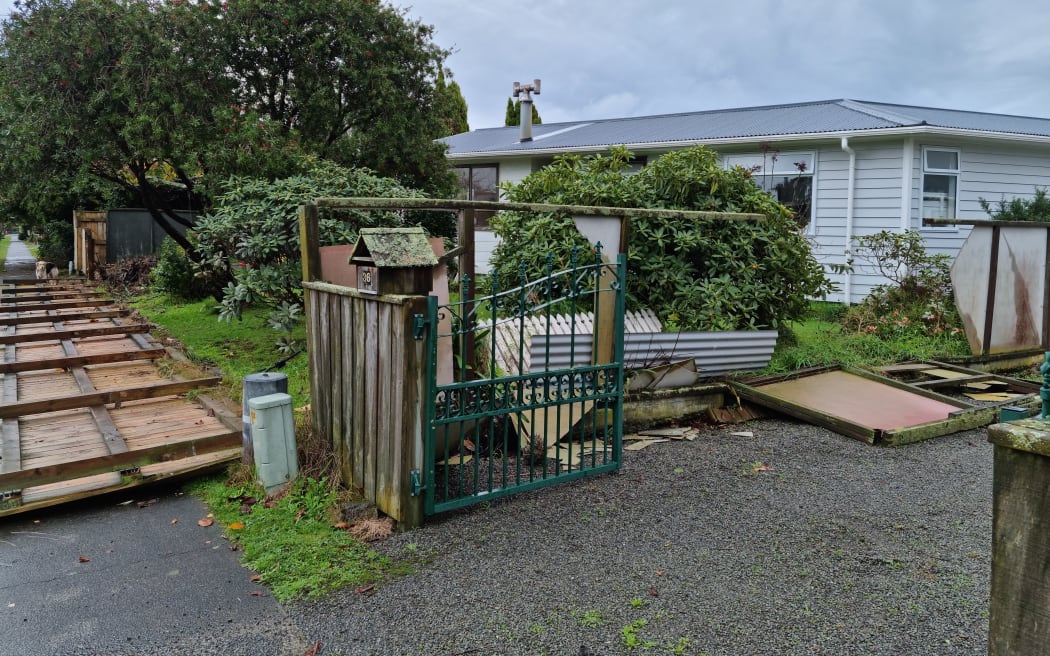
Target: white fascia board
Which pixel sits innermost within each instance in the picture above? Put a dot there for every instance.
(910, 130)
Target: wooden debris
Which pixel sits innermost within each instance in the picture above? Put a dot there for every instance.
(454, 460)
(737, 415)
(638, 446)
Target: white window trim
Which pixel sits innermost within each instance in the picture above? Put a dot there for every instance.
(957, 172)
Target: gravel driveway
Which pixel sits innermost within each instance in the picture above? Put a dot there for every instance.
(794, 540)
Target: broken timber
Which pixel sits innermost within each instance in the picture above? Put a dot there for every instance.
(84, 409)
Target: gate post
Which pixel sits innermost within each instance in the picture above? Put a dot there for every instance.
(1019, 609)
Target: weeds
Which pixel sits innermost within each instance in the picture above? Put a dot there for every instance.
(291, 541)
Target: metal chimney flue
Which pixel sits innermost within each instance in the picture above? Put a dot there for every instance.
(525, 118)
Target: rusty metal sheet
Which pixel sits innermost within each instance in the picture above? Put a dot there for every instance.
(999, 277)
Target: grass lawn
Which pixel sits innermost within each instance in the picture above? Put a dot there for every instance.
(5, 242)
(821, 340)
(237, 348)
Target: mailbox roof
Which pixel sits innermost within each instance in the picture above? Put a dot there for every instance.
(395, 247)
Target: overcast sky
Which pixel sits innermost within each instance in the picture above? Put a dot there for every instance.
(613, 58)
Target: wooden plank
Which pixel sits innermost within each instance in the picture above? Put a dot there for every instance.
(119, 461)
(86, 399)
(342, 447)
(398, 478)
(75, 333)
(111, 436)
(324, 366)
(43, 496)
(371, 401)
(385, 420)
(57, 305)
(358, 340)
(338, 377)
(80, 360)
(51, 299)
(22, 319)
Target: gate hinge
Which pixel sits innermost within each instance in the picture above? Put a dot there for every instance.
(419, 324)
(416, 479)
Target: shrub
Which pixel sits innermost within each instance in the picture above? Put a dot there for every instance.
(1036, 208)
(174, 274)
(253, 236)
(919, 299)
(709, 275)
(55, 243)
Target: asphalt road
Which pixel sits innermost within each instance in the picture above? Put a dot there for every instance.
(106, 576)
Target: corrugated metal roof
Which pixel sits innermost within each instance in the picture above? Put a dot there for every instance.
(815, 118)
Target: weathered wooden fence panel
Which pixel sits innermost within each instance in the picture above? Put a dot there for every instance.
(366, 380)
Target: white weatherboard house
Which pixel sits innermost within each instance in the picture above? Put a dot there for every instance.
(849, 168)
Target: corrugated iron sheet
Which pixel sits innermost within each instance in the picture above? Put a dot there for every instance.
(715, 353)
(819, 117)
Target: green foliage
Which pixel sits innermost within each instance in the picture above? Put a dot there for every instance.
(818, 341)
(513, 116)
(711, 275)
(1036, 208)
(291, 543)
(253, 235)
(150, 96)
(174, 274)
(919, 301)
(451, 106)
(55, 243)
(238, 348)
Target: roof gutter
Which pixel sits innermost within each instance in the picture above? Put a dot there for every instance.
(780, 138)
(848, 287)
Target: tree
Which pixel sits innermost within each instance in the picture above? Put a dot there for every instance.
(710, 275)
(452, 106)
(106, 90)
(514, 113)
(352, 81)
(165, 99)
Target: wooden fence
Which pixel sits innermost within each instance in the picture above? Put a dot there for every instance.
(367, 380)
(89, 244)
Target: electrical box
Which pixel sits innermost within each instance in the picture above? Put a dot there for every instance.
(273, 437)
(394, 261)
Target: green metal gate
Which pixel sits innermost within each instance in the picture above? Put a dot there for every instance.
(514, 413)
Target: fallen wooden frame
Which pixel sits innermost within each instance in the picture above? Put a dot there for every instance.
(863, 405)
(66, 438)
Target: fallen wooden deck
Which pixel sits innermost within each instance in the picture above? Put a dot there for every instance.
(84, 407)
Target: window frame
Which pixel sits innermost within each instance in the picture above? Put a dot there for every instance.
(481, 217)
(811, 172)
(928, 170)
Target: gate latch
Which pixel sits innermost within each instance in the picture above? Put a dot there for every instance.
(419, 324)
(416, 480)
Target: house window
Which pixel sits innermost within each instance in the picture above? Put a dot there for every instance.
(788, 176)
(940, 185)
(478, 183)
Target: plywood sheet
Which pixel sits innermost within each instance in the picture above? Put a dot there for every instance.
(860, 400)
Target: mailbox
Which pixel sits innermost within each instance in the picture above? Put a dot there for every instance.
(394, 261)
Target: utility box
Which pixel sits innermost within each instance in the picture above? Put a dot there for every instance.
(394, 261)
(273, 436)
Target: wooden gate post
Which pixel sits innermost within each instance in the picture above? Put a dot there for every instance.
(1019, 613)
